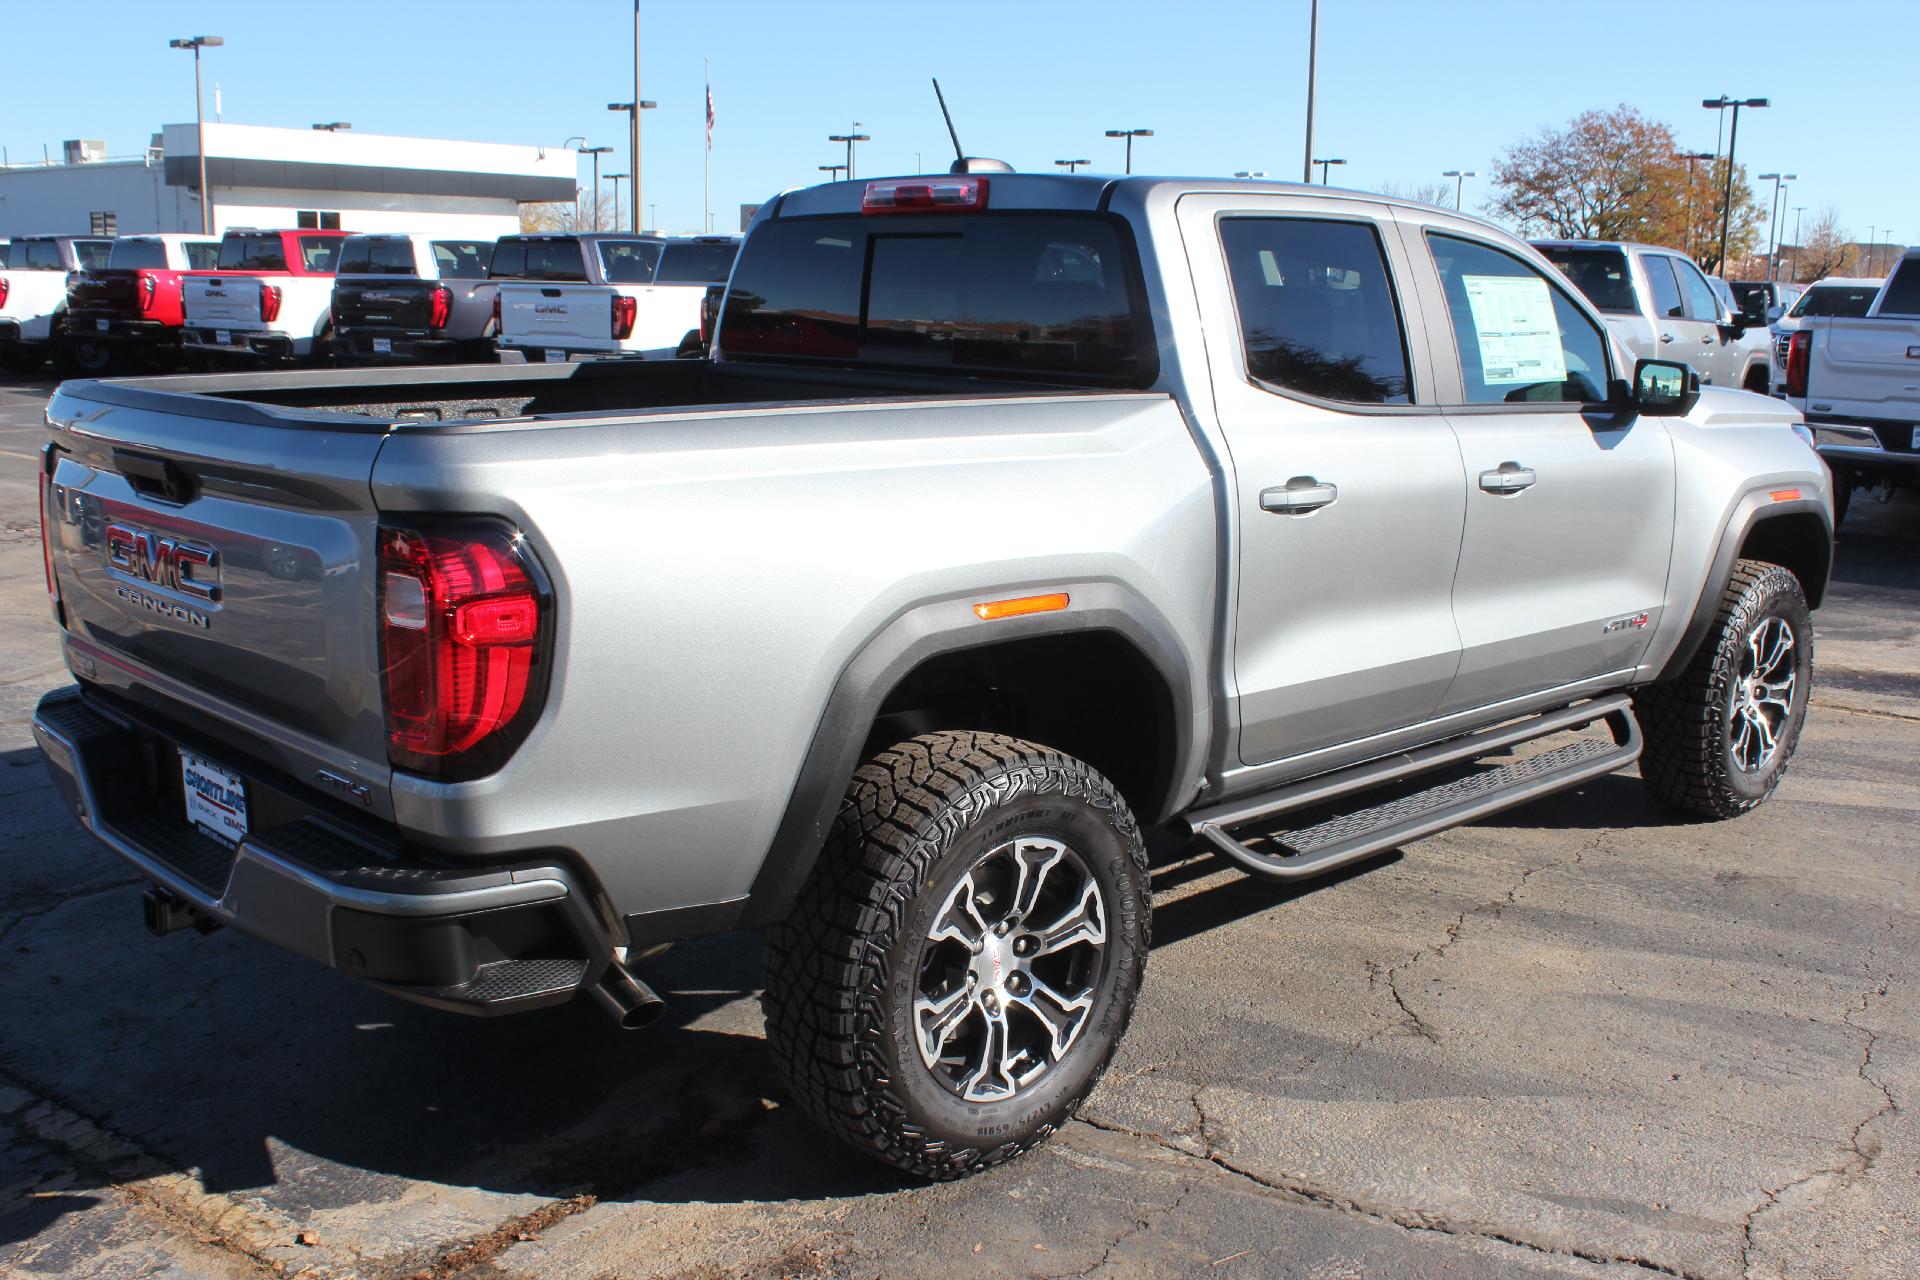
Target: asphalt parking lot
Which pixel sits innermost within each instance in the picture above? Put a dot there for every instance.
(1585, 1038)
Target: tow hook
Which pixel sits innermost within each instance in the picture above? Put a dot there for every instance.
(166, 912)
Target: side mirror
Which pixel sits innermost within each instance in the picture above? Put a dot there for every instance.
(1664, 388)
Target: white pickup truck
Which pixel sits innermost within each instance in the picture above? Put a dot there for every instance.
(33, 293)
(1857, 380)
(567, 296)
(270, 300)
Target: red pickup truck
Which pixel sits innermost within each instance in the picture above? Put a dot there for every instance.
(126, 315)
(269, 300)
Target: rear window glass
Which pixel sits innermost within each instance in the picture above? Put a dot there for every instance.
(1601, 274)
(203, 257)
(35, 255)
(462, 259)
(377, 256)
(1850, 300)
(697, 263)
(538, 260)
(252, 253)
(629, 261)
(92, 254)
(1903, 291)
(1039, 295)
(137, 255)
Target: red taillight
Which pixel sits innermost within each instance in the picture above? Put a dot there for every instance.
(4, 287)
(462, 644)
(442, 307)
(1799, 358)
(149, 287)
(496, 311)
(46, 540)
(269, 303)
(925, 195)
(624, 309)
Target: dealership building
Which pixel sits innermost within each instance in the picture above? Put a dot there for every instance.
(265, 177)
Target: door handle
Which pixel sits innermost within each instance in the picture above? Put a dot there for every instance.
(1508, 477)
(1666, 337)
(1298, 496)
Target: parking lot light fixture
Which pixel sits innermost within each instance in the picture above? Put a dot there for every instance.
(334, 126)
(615, 179)
(1129, 135)
(1071, 165)
(850, 137)
(633, 146)
(1721, 103)
(1459, 177)
(197, 43)
(596, 153)
(1773, 219)
(833, 171)
(1249, 173)
(1324, 166)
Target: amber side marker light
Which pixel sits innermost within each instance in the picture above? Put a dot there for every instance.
(1020, 606)
(1785, 495)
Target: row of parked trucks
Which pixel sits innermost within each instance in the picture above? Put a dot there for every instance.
(252, 297)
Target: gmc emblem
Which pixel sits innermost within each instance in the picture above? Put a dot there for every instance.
(190, 568)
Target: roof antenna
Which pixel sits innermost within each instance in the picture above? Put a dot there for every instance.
(962, 162)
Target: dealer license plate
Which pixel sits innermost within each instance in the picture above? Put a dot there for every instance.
(1915, 442)
(383, 346)
(556, 357)
(223, 337)
(216, 798)
(101, 325)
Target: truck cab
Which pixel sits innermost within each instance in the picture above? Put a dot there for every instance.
(413, 299)
(564, 297)
(33, 293)
(1661, 306)
(128, 312)
(268, 300)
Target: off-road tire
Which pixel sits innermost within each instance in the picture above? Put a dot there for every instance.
(88, 357)
(841, 971)
(1687, 721)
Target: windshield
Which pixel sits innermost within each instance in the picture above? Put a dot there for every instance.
(1052, 295)
(697, 263)
(247, 252)
(1601, 274)
(629, 261)
(462, 259)
(138, 255)
(1850, 300)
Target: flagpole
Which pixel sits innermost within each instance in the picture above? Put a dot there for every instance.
(706, 173)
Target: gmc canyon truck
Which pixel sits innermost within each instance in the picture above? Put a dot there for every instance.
(1011, 514)
(1858, 381)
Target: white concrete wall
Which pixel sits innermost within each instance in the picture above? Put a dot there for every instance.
(317, 146)
(368, 211)
(56, 199)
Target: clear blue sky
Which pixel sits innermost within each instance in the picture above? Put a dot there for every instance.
(1407, 87)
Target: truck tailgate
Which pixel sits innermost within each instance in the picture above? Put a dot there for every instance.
(222, 300)
(574, 315)
(230, 558)
(1867, 368)
(396, 303)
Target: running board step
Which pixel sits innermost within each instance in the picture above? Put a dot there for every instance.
(1333, 842)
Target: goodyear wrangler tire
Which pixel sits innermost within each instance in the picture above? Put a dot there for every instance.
(1720, 735)
(957, 971)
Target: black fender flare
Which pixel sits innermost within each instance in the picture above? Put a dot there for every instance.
(948, 626)
(1752, 510)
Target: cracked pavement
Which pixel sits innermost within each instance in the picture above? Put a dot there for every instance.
(1581, 1039)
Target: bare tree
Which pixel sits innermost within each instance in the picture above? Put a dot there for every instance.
(1440, 193)
(1826, 248)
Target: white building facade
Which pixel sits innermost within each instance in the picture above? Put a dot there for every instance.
(272, 178)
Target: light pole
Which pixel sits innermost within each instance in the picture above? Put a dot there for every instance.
(653, 214)
(615, 179)
(1313, 60)
(1129, 135)
(197, 43)
(1794, 272)
(1773, 219)
(1691, 157)
(832, 171)
(1459, 177)
(852, 136)
(596, 153)
(633, 132)
(1323, 169)
(1733, 140)
(1071, 165)
(1872, 244)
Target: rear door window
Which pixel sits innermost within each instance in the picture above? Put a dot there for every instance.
(91, 255)
(696, 263)
(629, 261)
(320, 254)
(1318, 313)
(137, 255)
(1600, 274)
(1520, 339)
(1667, 303)
(202, 257)
(462, 259)
(1702, 303)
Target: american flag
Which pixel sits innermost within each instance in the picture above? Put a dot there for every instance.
(709, 117)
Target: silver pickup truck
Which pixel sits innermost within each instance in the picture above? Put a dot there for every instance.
(1010, 514)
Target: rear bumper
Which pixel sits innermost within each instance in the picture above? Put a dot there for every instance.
(262, 344)
(112, 328)
(476, 939)
(1863, 449)
(403, 347)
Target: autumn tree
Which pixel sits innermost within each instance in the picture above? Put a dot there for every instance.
(537, 219)
(1618, 175)
(1826, 248)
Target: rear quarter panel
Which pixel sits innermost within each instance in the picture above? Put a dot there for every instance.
(716, 571)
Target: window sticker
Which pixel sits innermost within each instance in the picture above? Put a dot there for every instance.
(1519, 337)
